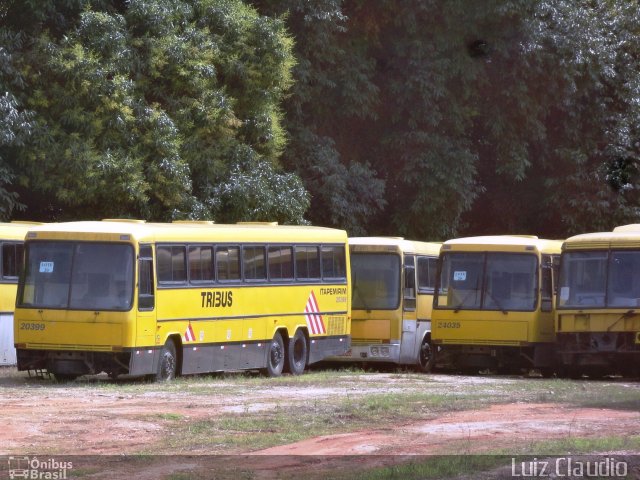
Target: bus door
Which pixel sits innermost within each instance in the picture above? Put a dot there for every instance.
(547, 296)
(145, 328)
(409, 315)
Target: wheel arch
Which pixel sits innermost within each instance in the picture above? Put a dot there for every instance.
(176, 338)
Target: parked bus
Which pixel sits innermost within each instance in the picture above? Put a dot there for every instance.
(598, 308)
(493, 306)
(392, 297)
(128, 297)
(11, 241)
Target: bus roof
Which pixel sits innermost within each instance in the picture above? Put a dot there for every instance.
(16, 230)
(114, 230)
(625, 236)
(506, 243)
(397, 243)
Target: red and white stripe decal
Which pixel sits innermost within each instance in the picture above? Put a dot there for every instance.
(189, 336)
(313, 317)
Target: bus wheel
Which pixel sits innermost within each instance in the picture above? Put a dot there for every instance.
(426, 357)
(297, 354)
(275, 358)
(168, 362)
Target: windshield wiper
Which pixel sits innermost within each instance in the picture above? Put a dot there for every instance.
(498, 304)
(627, 314)
(462, 302)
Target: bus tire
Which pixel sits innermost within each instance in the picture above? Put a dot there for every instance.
(275, 356)
(167, 367)
(297, 353)
(426, 356)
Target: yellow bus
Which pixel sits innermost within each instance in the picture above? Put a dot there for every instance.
(392, 297)
(598, 306)
(128, 297)
(11, 241)
(493, 306)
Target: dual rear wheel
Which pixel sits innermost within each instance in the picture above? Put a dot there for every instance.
(292, 359)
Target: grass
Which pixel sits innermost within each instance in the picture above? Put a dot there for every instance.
(251, 412)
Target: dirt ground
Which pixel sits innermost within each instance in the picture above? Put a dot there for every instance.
(52, 419)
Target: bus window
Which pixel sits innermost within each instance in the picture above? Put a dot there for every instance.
(623, 286)
(146, 297)
(462, 276)
(201, 264)
(427, 274)
(333, 262)
(228, 263)
(172, 264)
(510, 282)
(253, 259)
(307, 262)
(546, 287)
(11, 259)
(409, 282)
(583, 279)
(376, 281)
(79, 276)
(280, 263)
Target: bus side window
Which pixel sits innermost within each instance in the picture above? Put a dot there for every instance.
(146, 298)
(409, 282)
(427, 274)
(11, 259)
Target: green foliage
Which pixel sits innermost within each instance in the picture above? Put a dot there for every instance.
(15, 125)
(256, 191)
(421, 118)
(140, 107)
(458, 110)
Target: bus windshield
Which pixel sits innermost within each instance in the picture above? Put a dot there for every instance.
(488, 281)
(376, 281)
(600, 279)
(77, 276)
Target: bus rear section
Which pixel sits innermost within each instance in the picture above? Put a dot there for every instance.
(392, 297)
(598, 306)
(493, 304)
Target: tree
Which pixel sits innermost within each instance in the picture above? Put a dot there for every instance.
(498, 117)
(142, 108)
(331, 106)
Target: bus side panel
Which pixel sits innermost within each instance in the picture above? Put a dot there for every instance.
(7, 350)
(7, 305)
(228, 328)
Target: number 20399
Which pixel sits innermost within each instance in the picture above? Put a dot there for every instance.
(32, 326)
(448, 324)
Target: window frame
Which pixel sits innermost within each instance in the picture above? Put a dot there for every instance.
(172, 282)
(285, 280)
(211, 281)
(256, 246)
